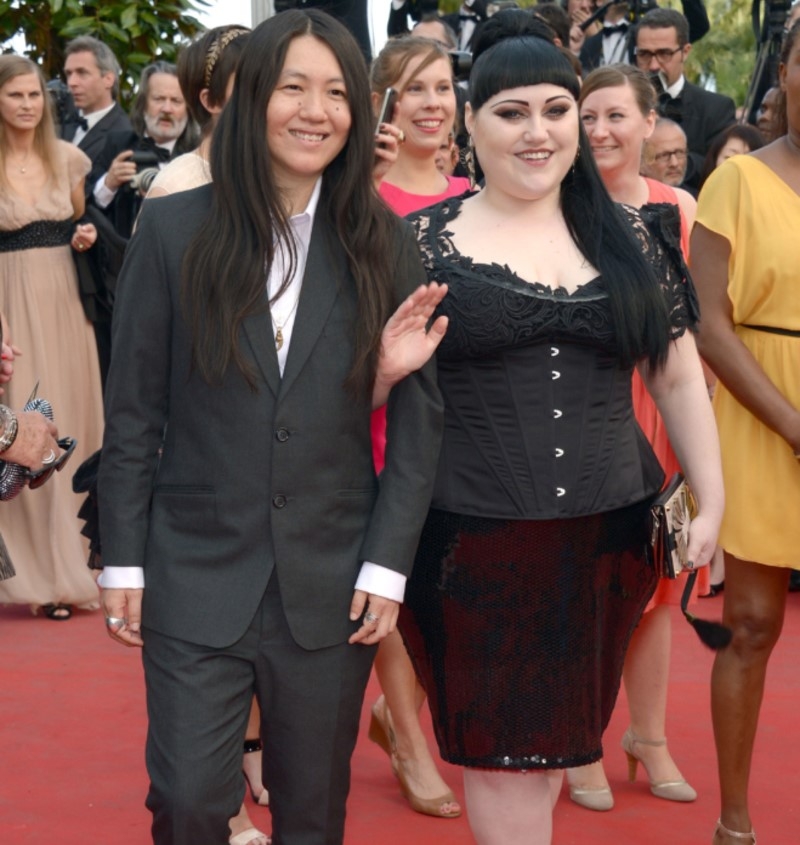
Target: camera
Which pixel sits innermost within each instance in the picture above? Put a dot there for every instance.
(64, 111)
(147, 170)
(461, 61)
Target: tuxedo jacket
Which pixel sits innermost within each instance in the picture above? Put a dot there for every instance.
(95, 139)
(212, 488)
(703, 115)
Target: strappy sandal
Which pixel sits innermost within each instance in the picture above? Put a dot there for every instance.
(735, 834)
(57, 612)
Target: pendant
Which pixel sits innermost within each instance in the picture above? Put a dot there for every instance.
(278, 339)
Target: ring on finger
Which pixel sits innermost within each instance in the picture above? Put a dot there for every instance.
(115, 621)
(371, 619)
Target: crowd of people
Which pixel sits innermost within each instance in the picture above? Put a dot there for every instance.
(333, 438)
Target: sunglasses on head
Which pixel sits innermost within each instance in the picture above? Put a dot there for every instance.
(36, 479)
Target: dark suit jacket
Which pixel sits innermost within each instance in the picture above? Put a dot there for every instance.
(95, 139)
(703, 115)
(248, 482)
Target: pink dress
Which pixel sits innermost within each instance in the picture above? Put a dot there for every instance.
(649, 419)
(403, 203)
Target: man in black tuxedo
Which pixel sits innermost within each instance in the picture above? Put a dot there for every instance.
(616, 42)
(662, 45)
(161, 130)
(92, 75)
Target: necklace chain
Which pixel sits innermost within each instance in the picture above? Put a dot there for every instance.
(279, 326)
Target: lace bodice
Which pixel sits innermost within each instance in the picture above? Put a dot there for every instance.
(538, 414)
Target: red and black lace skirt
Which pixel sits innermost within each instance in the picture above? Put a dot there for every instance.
(518, 631)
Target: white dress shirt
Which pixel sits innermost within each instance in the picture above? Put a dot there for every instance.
(91, 121)
(372, 578)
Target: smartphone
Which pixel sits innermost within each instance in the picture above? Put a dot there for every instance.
(387, 108)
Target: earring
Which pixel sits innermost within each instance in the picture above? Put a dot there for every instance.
(469, 162)
(575, 160)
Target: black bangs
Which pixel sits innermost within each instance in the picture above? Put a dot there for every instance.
(517, 62)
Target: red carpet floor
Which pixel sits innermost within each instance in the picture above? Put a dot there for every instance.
(72, 732)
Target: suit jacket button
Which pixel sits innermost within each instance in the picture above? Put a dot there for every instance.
(282, 435)
(279, 501)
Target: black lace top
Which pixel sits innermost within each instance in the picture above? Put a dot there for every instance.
(539, 421)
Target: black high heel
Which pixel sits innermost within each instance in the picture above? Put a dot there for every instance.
(713, 590)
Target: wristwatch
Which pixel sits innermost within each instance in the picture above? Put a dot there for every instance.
(8, 421)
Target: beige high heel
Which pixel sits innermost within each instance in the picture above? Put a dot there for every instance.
(670, 790)
(735, 834)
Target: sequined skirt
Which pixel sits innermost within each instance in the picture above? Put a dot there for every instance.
(518, 631)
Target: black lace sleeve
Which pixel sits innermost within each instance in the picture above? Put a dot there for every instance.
(657, 226)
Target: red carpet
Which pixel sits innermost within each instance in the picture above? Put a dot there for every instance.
(72, 735)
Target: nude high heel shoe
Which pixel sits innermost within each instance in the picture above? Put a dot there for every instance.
(670, 790)
(735, 834)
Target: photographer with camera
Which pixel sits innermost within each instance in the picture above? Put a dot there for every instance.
(131, 160)
(617, 39)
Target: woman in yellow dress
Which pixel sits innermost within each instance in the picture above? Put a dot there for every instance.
(744, 262)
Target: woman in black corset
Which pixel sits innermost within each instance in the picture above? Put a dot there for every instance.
(531, 573)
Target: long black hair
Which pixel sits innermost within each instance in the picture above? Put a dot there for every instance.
(596, 223)
(224, 277)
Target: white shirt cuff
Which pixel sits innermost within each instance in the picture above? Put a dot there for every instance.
(380, 581)
(103, 195)
(398, 4)
(122, 578)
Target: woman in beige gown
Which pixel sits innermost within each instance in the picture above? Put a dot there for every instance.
(41, 193)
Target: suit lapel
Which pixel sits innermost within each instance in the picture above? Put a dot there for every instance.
(323, 276)
(258, 329)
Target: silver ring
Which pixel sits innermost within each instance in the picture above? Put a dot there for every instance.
(115, 621)
(48, 458)
(370, 618)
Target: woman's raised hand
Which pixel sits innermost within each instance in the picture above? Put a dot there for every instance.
(407, 341)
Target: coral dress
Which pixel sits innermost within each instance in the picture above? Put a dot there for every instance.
(749, 205)
(648, 417)
(39, 297)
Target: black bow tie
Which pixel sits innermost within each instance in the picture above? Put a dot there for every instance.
(613, 30)
(671, 107)
(82, 123)
(149, 145)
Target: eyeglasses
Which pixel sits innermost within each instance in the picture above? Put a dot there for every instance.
(37, 479)
(644, 57)
(678, 155)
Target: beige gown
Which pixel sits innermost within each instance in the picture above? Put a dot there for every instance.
(39, 296)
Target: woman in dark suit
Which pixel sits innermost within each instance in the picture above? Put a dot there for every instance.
(237, 473)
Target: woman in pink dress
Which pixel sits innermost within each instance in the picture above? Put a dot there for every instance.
(419, 70)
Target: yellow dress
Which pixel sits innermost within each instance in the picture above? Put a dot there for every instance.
(759, 215)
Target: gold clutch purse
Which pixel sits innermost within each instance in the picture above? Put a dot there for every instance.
(670, 514)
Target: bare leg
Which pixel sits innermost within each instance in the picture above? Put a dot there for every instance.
(555, 779)
(755, 602)
(403, 700)
(242, 822)
(646, 677)
(251, 761)
(509, 808)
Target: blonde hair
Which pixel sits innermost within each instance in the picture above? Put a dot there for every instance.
(44, 138)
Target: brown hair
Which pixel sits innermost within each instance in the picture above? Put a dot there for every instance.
(391, 63)
(44, 138)
(613, 76)
(208, 63)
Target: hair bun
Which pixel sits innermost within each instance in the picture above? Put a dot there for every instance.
(510, 23)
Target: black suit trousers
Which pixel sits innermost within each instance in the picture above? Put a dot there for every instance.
(198, 701)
